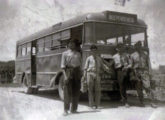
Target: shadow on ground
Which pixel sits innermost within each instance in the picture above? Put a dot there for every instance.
(106, 103)
(11, 85)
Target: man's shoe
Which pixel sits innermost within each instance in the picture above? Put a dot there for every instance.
(95, 107)
(65, 113)
(127, 105)
(153, 105)
(91, 108)
(142, 105)
(74, 112)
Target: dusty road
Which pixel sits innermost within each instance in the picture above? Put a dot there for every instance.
(16, 105)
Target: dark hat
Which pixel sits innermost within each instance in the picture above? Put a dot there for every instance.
(70, 44)
(93, 47)
(138, 44)
(119, 46)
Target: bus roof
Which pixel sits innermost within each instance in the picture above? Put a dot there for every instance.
(105, 16)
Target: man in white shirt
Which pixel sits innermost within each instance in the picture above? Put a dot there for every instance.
(70, 63)
(94, 65)
(122, 64)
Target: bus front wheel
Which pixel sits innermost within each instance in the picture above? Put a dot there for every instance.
(26, 83)
(61, 87)
(25, 80)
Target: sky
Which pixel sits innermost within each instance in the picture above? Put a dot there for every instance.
(20, 18)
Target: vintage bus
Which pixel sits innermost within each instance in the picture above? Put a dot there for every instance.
(38, 57)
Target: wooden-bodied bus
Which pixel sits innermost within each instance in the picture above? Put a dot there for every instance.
(38, 57)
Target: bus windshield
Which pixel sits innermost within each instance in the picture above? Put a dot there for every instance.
(107, 33)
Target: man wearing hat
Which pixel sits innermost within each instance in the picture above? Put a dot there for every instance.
(71, 62)
(94, 66)
(141, 74)
(122, 64)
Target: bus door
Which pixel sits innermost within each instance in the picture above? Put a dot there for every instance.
(76, 33)
(33, 63)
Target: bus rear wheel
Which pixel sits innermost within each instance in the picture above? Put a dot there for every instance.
(61, 87)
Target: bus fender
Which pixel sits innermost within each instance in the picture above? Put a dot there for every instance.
(24, 79)
(55, 79)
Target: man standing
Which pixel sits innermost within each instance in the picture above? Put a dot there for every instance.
(93, 68)
(122, 65)
(71, 62)
(142, 77)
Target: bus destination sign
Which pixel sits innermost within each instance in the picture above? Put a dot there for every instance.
(122, 17)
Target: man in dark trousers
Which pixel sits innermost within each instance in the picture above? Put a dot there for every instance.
(122, 65)
(141, 75)
(71, 62)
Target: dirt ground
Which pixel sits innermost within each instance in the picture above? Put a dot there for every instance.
(46, 105)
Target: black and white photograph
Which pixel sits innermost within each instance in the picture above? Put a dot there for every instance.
(82, 60)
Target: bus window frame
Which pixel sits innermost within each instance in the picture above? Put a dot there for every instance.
(28, 44)
(24, 47)
(56, 40)
(39, 42)
(33, 51)
(146, 38)
(65, 37)
(111, 43)
(84, 37)
(61, 39)
(19, 50)
(123, 24)
(142, 41)
(120, 39)
(48, 42)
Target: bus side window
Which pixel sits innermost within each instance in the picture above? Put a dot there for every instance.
(64, 43)
(66, 34)
(138, 37)
(65, 37)
(28, 48)
(120, 39)
(111, 41)
(19, 51)
(56, 40)
(33, 50)
(40, 45)
(24, 50)
(48, 41)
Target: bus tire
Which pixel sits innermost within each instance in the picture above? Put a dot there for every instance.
(25, 80)
(26, 83)
(61, 87)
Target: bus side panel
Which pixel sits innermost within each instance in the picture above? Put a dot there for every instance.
(19, 69)
(23, 65)
(47, 67)
(44, 79)
(27, 66)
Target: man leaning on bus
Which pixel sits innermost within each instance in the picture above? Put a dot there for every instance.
(122, 65)
(71, 61)
(94, 66)
(141, 74)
